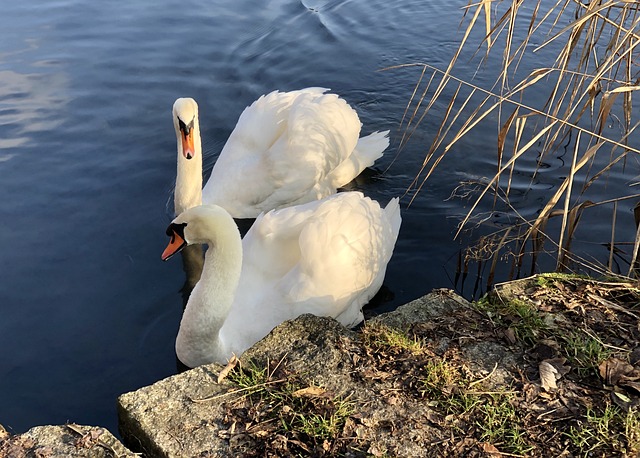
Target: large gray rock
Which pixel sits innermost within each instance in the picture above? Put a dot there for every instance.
(184, 415)
(68, 441)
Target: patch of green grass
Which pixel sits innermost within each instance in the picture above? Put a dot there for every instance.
(632, 430)
(288, 404)
(494, 417)
(440, 378)
(520, 315)
(498, 424)
(585, 352)
(493, 414)
(251, 380)
(378, 335)
(461, 403)
(322, 426)
(602, 431)
(448, 388)
(548, 279)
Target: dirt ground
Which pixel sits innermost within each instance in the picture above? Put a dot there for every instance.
(573, 388)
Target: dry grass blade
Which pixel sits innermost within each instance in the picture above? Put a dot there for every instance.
(502, 135)
(533, 78)
(521, 122)
(572, 225)
(613, 236)
(437, 142)
(310, 391)
(496, 256)
(634, 257)
(567, 202)
(407, 133)
(487, 21)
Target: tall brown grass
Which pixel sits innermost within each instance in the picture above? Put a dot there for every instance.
(589, 80)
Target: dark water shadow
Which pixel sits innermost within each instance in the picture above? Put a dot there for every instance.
(376, 305)
(367, 176)
(244, 224)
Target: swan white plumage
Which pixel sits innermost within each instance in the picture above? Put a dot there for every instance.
(326, 257)
(287, 148)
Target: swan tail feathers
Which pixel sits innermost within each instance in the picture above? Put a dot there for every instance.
(367, 151)
(371, 147)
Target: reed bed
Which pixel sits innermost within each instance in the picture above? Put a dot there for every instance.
(578, 102)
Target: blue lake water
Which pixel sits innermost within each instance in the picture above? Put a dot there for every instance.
(87, 165)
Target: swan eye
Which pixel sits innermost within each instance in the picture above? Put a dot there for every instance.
(175, 228)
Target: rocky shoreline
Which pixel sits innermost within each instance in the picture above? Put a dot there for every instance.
(398, 387)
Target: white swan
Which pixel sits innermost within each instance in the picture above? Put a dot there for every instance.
(287, 148)
(326, 257)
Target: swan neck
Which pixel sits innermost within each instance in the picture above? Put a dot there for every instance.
(188, 191)
(199, 340)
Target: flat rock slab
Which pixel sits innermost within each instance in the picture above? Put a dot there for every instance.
(188, 414)
(68, 441)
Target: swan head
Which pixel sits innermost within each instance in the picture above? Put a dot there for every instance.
(185, 122)
(204, 224)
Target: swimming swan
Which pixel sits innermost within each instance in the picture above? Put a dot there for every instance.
(287, 148)
(326, 257)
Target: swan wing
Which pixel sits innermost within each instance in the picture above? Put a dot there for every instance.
(344, 251)
(283, 152)
(325, 257)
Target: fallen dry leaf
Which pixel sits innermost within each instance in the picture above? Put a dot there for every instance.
(490, 450)
(4, 435)
(631, 384)
(621, 400)
(613, 370)
(552, 370)
(233, 362)
(89, 439)
(377, 450)
(510, 336)
(309, 392)
(548, 376)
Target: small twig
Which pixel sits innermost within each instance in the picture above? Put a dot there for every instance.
(539, 417)
(510, 454)
(611, 305)
(175, 438)
(258, 426)
(480, 393)
(474, 383)
(565, 418)
(279, 363)
(441, 441)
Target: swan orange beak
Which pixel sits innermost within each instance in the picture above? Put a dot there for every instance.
(188, 149)
(176, 244)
